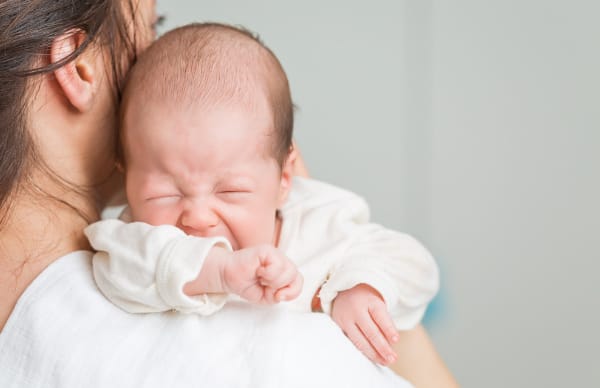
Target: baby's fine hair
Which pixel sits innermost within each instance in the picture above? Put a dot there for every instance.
(208, 64)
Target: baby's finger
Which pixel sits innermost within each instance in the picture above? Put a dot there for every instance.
(360, 341)
(266, 274)
(288, 276)
(292, 290)
(376, 339)
(278, 276)
(382, 318)
(269, 295)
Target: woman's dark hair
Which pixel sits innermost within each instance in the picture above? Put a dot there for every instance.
(27, 30)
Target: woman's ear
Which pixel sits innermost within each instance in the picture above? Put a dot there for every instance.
(75, 78)
(287, 173)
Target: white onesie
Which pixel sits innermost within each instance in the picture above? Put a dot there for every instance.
(325, 231)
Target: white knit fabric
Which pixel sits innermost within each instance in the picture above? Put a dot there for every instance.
(63, 333)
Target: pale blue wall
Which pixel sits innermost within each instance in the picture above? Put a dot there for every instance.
(515, 183)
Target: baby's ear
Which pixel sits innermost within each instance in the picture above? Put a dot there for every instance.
(287, 173)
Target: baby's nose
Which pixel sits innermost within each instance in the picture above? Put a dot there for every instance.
(199, 217)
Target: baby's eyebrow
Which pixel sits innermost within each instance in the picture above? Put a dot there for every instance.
(236, 178)
(238, 181)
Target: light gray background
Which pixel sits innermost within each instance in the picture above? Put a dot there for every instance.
(473, 125)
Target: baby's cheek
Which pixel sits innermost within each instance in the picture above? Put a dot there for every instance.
(163, 217)
(154, 215)
(256, 232)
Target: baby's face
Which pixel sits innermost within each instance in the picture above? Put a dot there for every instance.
(207, 172)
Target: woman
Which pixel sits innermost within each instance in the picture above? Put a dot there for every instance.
(62, 64)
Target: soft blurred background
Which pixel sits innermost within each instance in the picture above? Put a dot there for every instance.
(475, 126)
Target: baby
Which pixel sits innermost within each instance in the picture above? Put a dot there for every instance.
(207, 121)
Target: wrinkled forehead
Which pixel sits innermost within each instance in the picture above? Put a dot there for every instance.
(149, 123)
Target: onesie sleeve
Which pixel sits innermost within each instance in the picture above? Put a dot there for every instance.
(393, 263)
(142, 268)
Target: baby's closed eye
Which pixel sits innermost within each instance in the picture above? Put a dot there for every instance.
(234, 191)
(160, 198)
(233, 194)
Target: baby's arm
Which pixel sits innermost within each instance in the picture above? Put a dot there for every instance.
(383, 282)
(145, 268)
(142, 268)
(261, 274)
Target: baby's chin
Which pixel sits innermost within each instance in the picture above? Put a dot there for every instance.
(236, 245)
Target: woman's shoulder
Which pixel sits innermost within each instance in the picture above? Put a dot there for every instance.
(48, 319)
(64, 333)
(65, 289)
(53, 289)
(53, 284)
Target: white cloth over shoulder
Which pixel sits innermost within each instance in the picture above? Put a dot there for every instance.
(64, 333)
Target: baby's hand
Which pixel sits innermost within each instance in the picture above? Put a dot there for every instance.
(262, 274)
(364, 318)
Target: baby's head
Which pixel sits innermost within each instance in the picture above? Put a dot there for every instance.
(207, 122)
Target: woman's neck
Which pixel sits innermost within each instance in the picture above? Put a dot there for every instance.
(35, 235)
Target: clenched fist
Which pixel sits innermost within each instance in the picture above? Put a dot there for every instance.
(261, 274)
